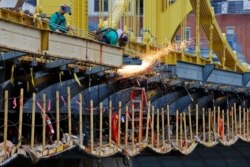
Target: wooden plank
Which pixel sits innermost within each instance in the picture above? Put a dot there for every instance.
(69, 112)
(6, 96)
(119, 123)
(57, 119)
(218, 120)
(169, 140)
(185, 127)
(152, 127)
(148, 117)
(100, 132)
(209, 125)
(52, 151)
(133, 126)
(203, 124)
(235, 119)
(33, 120)
(126, 128)
(163, 126)
(80, 120)
(247, 123)
(227, 123)
(158, 128)
(91, 127)
(181, 129)
(214, 127)
(240, 122)
(244, 122)
(20, 127)
(44, 121)
(59, 148)
(140, 123)
(110, 123)
(223, 120)
(190, 123)
(197, 121)
(177, 128)
(232, 116)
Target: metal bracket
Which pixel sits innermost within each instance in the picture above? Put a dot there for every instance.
(96, 69)
(206, 71)
(76, 70)
(63, 68)
(131, 61)
(11, 55)
(58, 63)
(245, 78)
(33, 64)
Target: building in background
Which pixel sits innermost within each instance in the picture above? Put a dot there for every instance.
(233, 17)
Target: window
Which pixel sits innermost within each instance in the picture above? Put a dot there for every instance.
(235, 6)
(32, 2)
(217, 6)
(188, 33)
(96, 5)
(177, 38)
(230, 30)
(140, 7)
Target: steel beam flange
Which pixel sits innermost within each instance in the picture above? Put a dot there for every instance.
(11, 55)
(207, 70)
(245, 78)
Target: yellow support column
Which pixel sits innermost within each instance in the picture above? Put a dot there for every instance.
(197, 47)
(211, 43)
(80, 17)
(224, 50)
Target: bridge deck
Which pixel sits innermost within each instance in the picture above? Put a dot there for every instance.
(21, 37)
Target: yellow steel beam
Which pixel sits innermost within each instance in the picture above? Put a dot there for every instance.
(197, 26)
(220, 46)
(163, 19)
(18, 33)
(117, 12)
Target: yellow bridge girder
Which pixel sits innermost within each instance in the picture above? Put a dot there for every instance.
(32, 36)
(220, 46)
(163, 19)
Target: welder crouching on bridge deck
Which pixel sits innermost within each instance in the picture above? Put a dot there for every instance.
(111, 36)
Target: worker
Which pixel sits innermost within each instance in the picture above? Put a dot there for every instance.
(58, 21)
(108, 36)
(111, 36)
(122, 38)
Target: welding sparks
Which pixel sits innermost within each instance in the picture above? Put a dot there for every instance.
(150, 59)
(147, 62)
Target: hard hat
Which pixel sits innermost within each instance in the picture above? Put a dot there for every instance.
(119, 33)
(66, 9)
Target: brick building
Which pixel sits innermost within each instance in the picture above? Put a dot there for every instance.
(233, 17)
